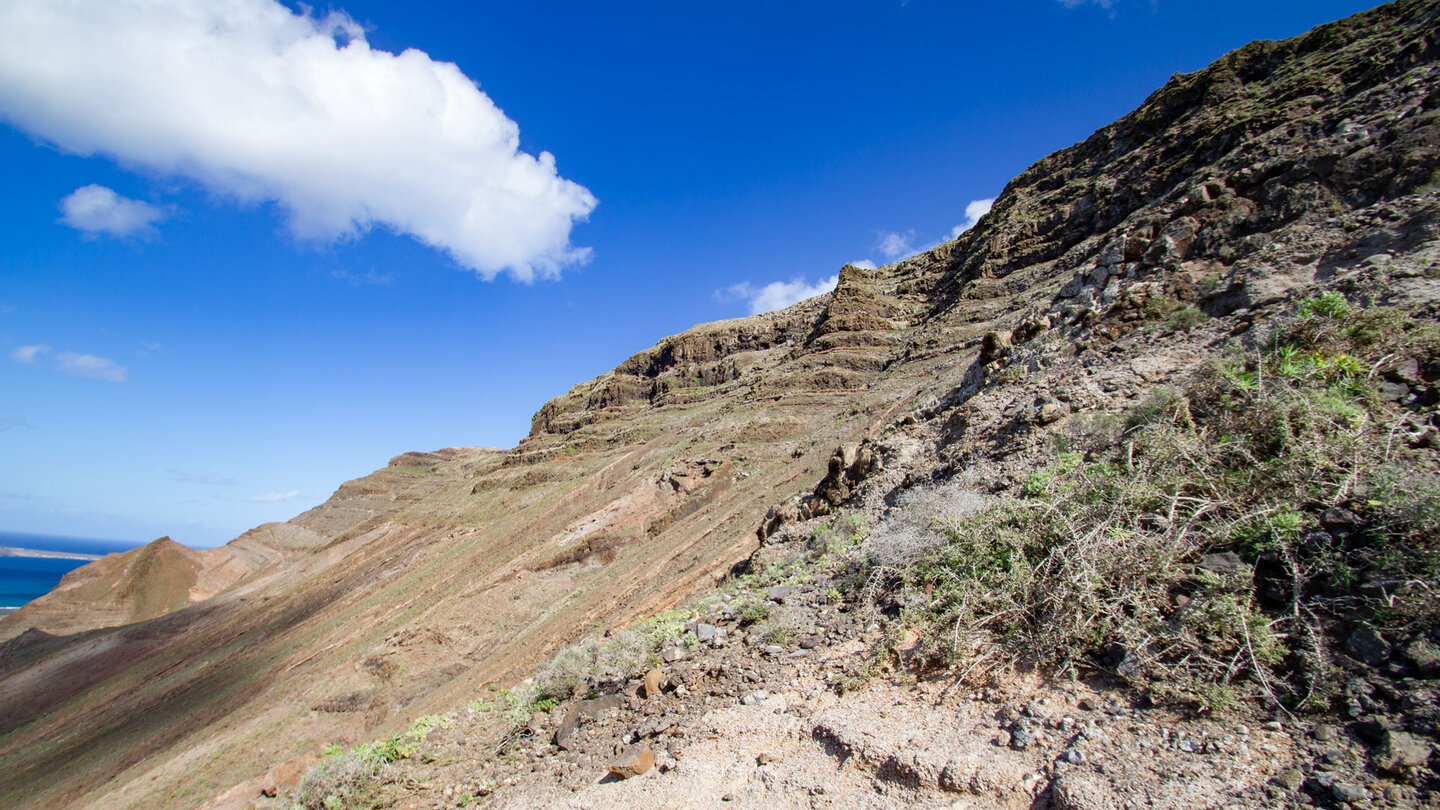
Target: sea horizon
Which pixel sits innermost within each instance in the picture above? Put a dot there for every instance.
(24, 579)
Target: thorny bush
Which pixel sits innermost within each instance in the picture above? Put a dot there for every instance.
(1188, 555)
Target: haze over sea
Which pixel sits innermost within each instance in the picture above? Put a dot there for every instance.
(25, 578)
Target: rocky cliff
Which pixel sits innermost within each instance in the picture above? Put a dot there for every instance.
(1105, 272)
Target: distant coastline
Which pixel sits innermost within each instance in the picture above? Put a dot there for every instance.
(8, 551)
(31, 564)
(94, 546)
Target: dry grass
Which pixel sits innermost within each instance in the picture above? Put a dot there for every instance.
(351, 781)
(1098, 565)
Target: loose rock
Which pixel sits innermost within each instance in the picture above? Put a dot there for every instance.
(633, 761)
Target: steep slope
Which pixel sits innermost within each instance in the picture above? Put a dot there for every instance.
(1231, 192)
(155, 579)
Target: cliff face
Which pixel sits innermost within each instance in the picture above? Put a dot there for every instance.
(1230, 191)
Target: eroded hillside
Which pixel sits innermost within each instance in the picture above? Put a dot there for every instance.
(1105, 271)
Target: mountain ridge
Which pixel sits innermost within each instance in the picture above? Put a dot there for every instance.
(414, 587)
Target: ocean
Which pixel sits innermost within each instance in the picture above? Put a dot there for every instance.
(25, 578)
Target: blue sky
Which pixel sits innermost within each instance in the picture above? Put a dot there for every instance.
(243, 261)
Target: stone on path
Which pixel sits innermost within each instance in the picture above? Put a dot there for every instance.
(633, 761)
(654, 681)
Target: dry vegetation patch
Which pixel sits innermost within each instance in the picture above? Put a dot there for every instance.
(1217, 542)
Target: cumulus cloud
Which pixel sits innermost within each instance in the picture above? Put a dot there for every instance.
(28, 354)
(88, 365)
(274, 497)
(893, 244)
(1076, 3)
(973, 212)
(259, 103)
(99, 210)
(864, 264)
(777, 294)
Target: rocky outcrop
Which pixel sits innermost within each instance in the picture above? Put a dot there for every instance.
(848, 467)
(707, 356)
(1342, 117)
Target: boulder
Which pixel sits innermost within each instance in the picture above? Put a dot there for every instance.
(994, 346)
(1424, 656)
(1339, 518)
(1225, 563)
(654, 682)
(1080, 792)
(1367, 645)
(1402, 753)
(633, 761)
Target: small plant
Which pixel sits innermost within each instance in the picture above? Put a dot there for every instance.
(754, 610)
(1328, 304)
(1432, 185)
(1039, 483)
(1185, 319)
(349, 781)
(1162, 403)
(1268, 532)
(1088, 432)
(784, 627)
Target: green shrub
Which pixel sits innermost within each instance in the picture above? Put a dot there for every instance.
(753, 609)
(1039, 483)
(1329, 304)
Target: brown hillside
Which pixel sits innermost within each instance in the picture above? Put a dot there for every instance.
(1229, 194)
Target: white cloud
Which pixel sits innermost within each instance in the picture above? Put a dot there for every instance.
(261, 104)
(1076, 3)
(273, 497)
(973, 212)
(864, 264)
(778, 294)
(893, 244)
(8, 422)
(88, 365)
(97, 209)
(28, 354)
